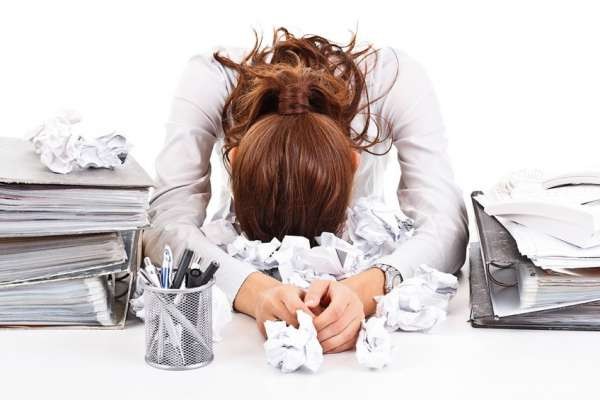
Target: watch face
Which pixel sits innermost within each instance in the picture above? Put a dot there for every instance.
(396, 280)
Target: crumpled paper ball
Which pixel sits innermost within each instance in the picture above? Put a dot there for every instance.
(288, 348)
(374, 344)
(420, 302)
(62, 149)
(417, 304)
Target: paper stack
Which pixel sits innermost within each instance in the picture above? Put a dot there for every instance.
(67, 242)
(42, 209)
(70, 302)
(38, 258)
(555, 222)
(543, 288)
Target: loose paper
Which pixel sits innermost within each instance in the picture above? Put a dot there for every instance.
(548, 206)
(288, 348)
(255, 252)
(374, 344)
(420, 302)
(62, 149)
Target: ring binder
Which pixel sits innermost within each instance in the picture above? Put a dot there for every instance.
(488, 250)
(499, 266)
(497, 249)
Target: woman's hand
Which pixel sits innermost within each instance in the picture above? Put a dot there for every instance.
(339, 323)
(279, 303)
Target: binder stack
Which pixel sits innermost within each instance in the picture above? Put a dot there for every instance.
(69, 244)
(508, 289)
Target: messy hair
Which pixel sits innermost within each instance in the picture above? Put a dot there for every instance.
(289, 118)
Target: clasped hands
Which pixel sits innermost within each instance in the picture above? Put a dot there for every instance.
(336, 308)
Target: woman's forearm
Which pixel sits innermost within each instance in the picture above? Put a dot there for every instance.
(246, 298)
(367, 285)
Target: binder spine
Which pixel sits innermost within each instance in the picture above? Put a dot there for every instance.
(485, 248)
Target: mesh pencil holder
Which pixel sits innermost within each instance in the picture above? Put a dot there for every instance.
(178, 326)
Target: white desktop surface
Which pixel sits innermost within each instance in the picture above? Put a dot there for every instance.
(453, 361)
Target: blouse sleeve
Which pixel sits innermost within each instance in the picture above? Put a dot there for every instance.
(178, 207)
(427, 191)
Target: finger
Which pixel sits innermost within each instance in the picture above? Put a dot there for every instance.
(349, 345)
(317, 310)
(315, 293)
(342, 340)
(346, 335)
(281, 312)
(338, 326)
(333, 312)
(293, 303)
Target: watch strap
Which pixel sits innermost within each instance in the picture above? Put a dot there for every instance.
(393, 277)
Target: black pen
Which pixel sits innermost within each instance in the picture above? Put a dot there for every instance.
(193, 278)
(145, 277)
(182, 268)
(209, 273)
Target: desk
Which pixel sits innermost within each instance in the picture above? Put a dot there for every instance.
(453, 361)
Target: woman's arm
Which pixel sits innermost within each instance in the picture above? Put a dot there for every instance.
(179, 204)
(427, 191)
(367, 285)
(178, 207)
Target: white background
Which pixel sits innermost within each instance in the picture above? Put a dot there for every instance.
(518, 82)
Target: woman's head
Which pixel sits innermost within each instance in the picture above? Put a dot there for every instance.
(288, 136)
(292, 175)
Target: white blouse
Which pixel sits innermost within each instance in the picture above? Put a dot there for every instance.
(427, 191)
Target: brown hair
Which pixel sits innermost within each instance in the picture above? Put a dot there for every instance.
(289, 117)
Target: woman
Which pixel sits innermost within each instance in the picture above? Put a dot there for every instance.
(306, 127)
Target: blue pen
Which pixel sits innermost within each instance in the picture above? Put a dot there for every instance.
(167, 267)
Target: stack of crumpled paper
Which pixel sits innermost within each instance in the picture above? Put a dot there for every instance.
(372, 231)
(62, 148)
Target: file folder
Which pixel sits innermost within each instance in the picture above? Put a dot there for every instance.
(492, 275)
(118, 289)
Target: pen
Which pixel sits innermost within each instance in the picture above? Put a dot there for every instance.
(167, 267)
(209, 273)
(150, 271)
(182, 268)
(148, 263)
(145, 277)
(193, 277)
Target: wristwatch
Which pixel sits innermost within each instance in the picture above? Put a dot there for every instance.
(392, 277)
